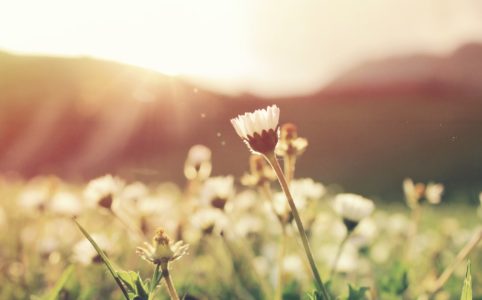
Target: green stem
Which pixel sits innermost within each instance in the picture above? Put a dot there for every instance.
(169, 284)
(271, 158)
(338, 253)
(155, 279)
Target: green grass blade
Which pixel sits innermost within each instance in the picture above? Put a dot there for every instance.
(54, 293)
(467, 290)
(104, 258)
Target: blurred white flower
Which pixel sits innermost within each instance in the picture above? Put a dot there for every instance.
(133, 192)
(162, 249)
(248, 224)
(306, 189)
(366, 233)
(397, 224)
(353, 208)
(258, 129)
(290, 144)
(433, 192)
(293, 267)
(260, 172)
(198, 163)
(102, 191)
(47, 245)
(217, 191)
(34, 197)
(209, 220)
(413, 192)
(65, 204)
(85, 254)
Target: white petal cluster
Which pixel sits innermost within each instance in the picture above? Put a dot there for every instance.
(307, 189)
(433, 192)
(198, 154)
(102, 187)
(255, 122)
(162, 249)
(66, 203)
(353, 207)
(220, 187)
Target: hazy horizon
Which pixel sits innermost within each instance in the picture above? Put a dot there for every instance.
(268, 48)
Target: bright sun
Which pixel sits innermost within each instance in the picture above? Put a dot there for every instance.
(174, 37)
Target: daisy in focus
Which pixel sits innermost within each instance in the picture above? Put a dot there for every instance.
(259, 129)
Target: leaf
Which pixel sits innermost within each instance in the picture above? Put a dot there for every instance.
(105, 260)
(467, 289)
(59, 285)
(395, 281)
(357, 293)
(135, 285)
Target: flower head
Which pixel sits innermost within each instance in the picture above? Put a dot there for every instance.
(290, 143)
(260, 172)
(353, 208)
(413, 192)
(433, 192)
(103, 190)
(259, 129)
(162, 249)
(198, 163)
(217, 191)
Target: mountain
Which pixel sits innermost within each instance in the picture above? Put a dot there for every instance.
(459, 72)
(79, 118)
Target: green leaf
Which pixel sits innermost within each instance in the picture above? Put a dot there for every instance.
(105, 260)
(59, 285)
(395, 280)
(135, 285)
(357, 293)
(467, 289)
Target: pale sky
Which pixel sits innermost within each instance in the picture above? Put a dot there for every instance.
(270, 47)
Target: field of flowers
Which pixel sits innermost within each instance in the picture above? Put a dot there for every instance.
(271, 234)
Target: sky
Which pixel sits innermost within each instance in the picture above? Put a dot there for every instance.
(265, 47)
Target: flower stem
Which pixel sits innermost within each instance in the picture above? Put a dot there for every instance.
(338, 253)
(289, 167)
(154, 280)
(271, 158)
(279, 284)
(461, 256)
(169, 284)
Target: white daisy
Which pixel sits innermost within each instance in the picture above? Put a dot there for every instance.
(103, 190)
(65, 204)
(217, 191)
(162, 249)
(259, 129)
(433, 193)
(198, 163)
(353, 208)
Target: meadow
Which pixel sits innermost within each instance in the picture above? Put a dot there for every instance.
(270, 234)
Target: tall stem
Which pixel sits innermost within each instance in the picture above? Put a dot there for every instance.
(338, 254)
(289, 167)
(169, 284)
(415, 217)
(461, 256)
(271, 158)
